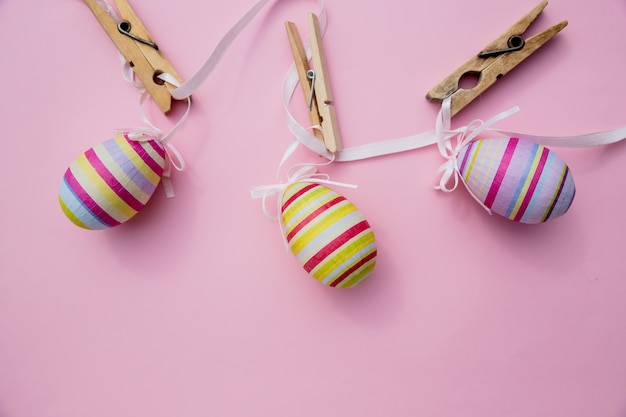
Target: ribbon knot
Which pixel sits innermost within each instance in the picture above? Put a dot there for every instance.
(305, 172)
(173, 157)
(297, 173)
(449, 170)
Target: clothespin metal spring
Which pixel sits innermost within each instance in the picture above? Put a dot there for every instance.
(124, 28)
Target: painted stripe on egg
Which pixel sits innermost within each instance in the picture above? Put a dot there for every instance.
(120, 174)
(112, 183)
(134, 157)
(108, 184)
(517, 179)
(475, 151)
(336, 272)
(70, 215)
(357, 272)
(88, 201)
(98, 189)
(327, 221)
(76, 210)
(328, 235)
(488, 166)
(538, 170)
(120, 158)
(314, 241)
(467, 151)
(524, 181)
(151, 148)
(557, 194)
(299, 192)
(297, 209)
(530, 210)
(335, 244)
(308, 219)
(501, 172)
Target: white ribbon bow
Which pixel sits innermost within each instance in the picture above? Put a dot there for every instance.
(173, 157)
(182, 91)
(298, 173)
(463, 135)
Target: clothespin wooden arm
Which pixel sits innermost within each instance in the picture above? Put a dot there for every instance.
(322, 110)
(302, 66)
(518, 28)
(488, 75)
(147, 62)
(323, 92)
(491, 68)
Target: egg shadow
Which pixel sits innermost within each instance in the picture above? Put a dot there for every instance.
(153, 241)
(373, 303)
(379, 299)
(543, 246)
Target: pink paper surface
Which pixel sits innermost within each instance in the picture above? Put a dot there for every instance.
(194, 308)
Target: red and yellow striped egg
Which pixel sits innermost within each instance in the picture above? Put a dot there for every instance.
(108, 184)
(517, 179)
(328, 235)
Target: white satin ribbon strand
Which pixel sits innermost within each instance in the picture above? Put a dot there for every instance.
(449, 169)
(421, 140)
(173, 158)
(306, 172)
(182, 92)
(192, 84)
(588, 140)
(290, 83)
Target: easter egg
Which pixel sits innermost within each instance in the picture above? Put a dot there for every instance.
(328, 235)
(517, 179)
(108, 184)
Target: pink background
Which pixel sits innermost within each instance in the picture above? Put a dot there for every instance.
(194, 308)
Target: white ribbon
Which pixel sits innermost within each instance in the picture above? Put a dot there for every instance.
(442, 135)
(290, 83)
(182, 92)
(192, 84)
(588, 140)
(306, 172)
(173, 158)
(463, 135)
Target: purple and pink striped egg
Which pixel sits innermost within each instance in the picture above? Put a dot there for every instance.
(328, 235)
(110, 183)
(517, 179)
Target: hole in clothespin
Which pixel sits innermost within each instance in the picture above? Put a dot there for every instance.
(469, 80)
(156, 78)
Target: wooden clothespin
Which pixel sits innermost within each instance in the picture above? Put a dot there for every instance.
(315, 83)
(496, 60)
(136, 45)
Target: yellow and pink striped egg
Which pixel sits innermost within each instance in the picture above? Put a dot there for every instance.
(328, 235)
(110, 183)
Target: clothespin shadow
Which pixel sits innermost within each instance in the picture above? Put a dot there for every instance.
(140, 51)
(495, 61)
(315, 83)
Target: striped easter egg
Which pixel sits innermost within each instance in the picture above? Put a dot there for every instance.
(109, 183)
(517, 179)
(328, 235)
